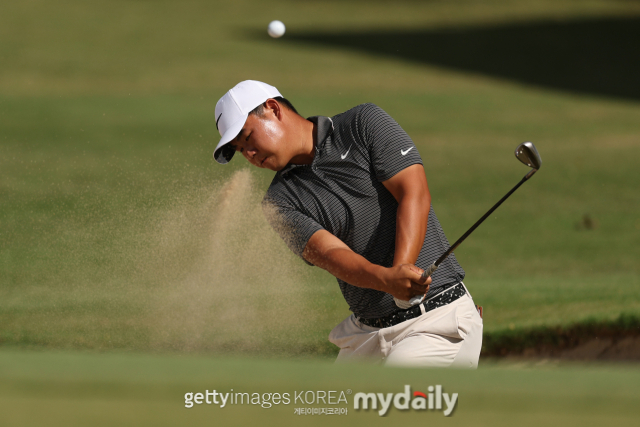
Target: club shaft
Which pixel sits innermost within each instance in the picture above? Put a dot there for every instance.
(480, 221)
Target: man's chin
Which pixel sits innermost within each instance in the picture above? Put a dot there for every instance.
(272, 165)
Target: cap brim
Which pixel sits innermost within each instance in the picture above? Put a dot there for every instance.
(224, 152)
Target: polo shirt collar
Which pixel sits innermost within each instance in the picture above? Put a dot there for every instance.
(324, 128)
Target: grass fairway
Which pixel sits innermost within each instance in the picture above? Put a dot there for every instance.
(78, 389)
(118, 231)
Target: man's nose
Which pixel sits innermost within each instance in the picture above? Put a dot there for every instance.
(250, 152)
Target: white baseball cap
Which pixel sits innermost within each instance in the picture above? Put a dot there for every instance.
(232, 111)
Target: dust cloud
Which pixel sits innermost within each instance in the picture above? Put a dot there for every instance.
(221, 278)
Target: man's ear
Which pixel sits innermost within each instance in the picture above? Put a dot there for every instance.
(273, 106)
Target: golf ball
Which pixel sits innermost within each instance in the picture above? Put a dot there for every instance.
(276, 29)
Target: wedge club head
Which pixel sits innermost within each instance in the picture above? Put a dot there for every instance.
(527, 154)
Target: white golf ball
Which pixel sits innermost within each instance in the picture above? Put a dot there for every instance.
(276, 29)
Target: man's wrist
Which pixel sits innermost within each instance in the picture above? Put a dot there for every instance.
(379, 275)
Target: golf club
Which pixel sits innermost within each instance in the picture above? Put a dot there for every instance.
(527, 154)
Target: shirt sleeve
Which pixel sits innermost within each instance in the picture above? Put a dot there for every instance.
(293, 226)
(391, 149)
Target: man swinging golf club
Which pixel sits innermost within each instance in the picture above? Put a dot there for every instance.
(350, 195)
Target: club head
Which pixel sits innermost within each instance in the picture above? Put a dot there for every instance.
(527, 154)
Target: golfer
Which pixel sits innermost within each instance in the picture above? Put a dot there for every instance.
(350, 196)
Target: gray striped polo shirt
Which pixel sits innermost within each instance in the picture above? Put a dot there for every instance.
(341, 191)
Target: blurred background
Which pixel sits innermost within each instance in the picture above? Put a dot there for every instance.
(120, 235)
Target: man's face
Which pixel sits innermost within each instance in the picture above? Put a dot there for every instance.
(262, 141)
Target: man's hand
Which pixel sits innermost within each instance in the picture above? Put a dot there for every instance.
(404, 281)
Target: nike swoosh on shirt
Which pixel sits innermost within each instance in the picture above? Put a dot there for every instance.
(344, 156)
(404, 153)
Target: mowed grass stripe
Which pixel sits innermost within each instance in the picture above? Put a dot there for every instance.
(77, 388)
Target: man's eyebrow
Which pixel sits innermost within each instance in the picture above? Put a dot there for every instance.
(231, 143)
(238, 135)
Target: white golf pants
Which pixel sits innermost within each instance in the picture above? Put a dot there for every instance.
(448, 336)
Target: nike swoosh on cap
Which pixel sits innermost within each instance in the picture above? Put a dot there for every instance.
(218, 121)
(405, 152)
(344, 156)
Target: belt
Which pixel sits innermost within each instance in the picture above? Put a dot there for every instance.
(443, 298)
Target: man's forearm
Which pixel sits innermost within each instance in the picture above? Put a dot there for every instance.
(411, 227)
(347, 265)
(330, 253)
(409, 188)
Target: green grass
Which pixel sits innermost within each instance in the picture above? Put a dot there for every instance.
(110, 196)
